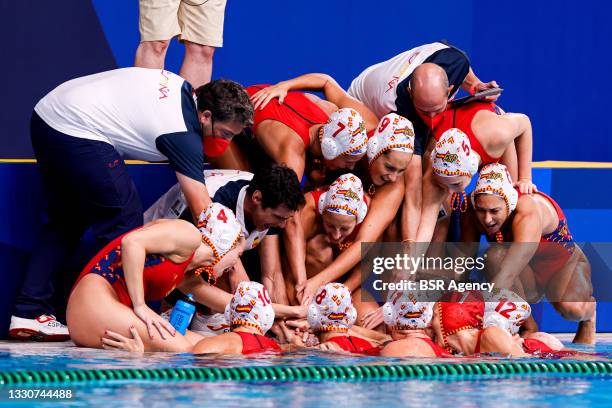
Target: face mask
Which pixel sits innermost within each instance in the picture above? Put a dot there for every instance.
(431, 122)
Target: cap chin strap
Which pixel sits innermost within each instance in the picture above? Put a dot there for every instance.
(459, 202)
(212, 281)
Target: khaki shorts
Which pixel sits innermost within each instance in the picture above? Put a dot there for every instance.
(196, 21)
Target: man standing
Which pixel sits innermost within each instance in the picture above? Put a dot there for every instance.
(81, 132)
(199, 25)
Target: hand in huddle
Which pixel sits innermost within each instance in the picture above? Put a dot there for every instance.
(373, 319)
(301, 329)
(277, 329)
(261, 98)
(115, 341)
(307, 290)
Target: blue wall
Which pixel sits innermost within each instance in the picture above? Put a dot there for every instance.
(549, 55)
(22, 205)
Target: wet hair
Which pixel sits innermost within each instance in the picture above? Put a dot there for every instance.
(278, 185)
(227, 100)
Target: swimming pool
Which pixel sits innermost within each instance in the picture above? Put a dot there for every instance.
(541, 390)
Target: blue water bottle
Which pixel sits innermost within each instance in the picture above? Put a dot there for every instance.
(182, 313)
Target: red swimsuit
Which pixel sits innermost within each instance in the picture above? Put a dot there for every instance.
(461, 118)
(297, 112)
(356, 345)
(160, 275)
(438, 351)
(256, 343)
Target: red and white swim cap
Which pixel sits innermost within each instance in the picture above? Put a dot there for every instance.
(394, 132)
(405, 312)
(251, 306)
(345, 196)
(505, 309)
(453, 155)
(344, 134)
(219, 228)
(494, 178)
(332, 309)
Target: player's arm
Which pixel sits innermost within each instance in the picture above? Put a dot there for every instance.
(411, 206)
(204, 293)
(186, 158)
(175, 237)
(527, 231)
(271, 269)
(195, 193)
(503, 130)
(295, 239)
(238, 274)
(320, 83)
(433, 198)
(381, 213)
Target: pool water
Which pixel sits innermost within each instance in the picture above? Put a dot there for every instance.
(555, 392)
(531, 390)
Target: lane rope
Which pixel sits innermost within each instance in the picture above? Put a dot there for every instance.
(356, 373)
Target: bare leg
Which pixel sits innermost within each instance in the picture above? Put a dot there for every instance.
(94, 308)
(572, 293)
(151, 54)
(197, 64)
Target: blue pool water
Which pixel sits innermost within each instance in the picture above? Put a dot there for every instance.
(526, 391)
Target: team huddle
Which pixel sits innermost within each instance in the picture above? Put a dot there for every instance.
(277, 191)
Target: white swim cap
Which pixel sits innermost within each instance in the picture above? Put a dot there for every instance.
(495, 179)
(404, 312)
(332, 309)
(345, 196)
(219, 228)
(250, 306)
(344, 134)
(453, 155)
(394, 132)
(505, 309)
